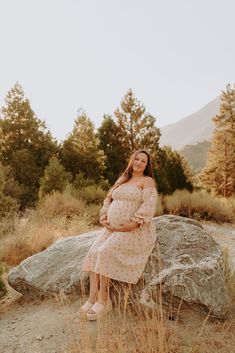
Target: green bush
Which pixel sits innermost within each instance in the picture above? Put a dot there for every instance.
(81, 181)
(55, 178)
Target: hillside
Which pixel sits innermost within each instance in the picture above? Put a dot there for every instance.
(196, 155)
(191, 129)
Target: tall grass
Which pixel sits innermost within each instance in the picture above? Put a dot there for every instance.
(199, 205)
(131, 328)
(229, 274)
(57, 215)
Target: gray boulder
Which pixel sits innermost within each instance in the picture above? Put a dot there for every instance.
(186, 263)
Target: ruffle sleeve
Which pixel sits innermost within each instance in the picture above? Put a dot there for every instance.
(106, 203)
(146, 211)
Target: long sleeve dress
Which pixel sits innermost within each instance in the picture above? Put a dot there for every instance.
(123, 255)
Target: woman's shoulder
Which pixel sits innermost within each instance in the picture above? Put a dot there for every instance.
(148, 182)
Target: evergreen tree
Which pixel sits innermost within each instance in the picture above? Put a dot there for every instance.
(55, 178)
(8, 206)
(25, 144)
(137, 128)
(219, 173)
(110, 143)
(81, 152)
(173, 172)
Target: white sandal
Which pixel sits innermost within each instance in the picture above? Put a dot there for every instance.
(99, 310)
(84, 309)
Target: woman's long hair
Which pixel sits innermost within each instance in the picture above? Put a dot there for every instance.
(127, 174)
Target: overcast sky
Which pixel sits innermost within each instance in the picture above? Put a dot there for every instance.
(176, 55)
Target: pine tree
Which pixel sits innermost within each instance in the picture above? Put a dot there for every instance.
(173, 171)
(137, 128)
(80, 151)
(25, 143)
(110, 143)
(219, 173)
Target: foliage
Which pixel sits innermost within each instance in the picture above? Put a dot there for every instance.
(111, 143)
(219, 173)
(80, 151)
(25, 144)
(173, 172)
(8, 205)
(81, 181)
(55, 178)
(137, 128)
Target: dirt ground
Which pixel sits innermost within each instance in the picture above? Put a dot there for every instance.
(48, 326)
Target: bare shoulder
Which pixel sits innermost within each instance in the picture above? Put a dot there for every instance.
(148, 182)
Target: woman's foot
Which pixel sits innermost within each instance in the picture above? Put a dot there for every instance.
(99, 309)
(84, 309)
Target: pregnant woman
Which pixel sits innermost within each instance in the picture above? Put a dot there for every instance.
(122, 247)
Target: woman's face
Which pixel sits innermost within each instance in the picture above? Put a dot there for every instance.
(140, 162)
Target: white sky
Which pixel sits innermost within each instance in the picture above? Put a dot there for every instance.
(176, 55)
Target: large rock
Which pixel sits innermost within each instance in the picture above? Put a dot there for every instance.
(186, 262)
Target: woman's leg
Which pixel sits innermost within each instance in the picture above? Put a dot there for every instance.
(104, 289)
(94, 287)
(103, 293)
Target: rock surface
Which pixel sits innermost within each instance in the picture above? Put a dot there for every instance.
(186, 261)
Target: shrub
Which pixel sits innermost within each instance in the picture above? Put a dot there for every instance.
(91, 194)
(81, 181)
(7, 226)
(8, 206)
(60, 204)
(55, 178)
(199, 205)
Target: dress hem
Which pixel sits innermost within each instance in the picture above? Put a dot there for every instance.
(116, 279)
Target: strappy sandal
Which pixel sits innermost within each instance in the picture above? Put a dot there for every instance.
(99, 310)
(84, 309)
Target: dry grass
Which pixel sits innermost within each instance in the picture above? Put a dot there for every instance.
(229, 274)
(90, 193)
(160, 208)
(60, 204)
(57, 215)
(133, 329)
(37, 233)
(199, 205)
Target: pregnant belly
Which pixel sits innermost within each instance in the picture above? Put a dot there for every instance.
(117, 215)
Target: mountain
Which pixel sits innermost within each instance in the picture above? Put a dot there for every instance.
(196, 155)
(191, 129)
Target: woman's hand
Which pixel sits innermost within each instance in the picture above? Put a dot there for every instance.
(127, 227)
(105, 223)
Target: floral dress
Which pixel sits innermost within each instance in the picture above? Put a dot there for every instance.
(123, 255)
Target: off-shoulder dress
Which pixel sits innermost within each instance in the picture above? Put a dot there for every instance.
(123, 255)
